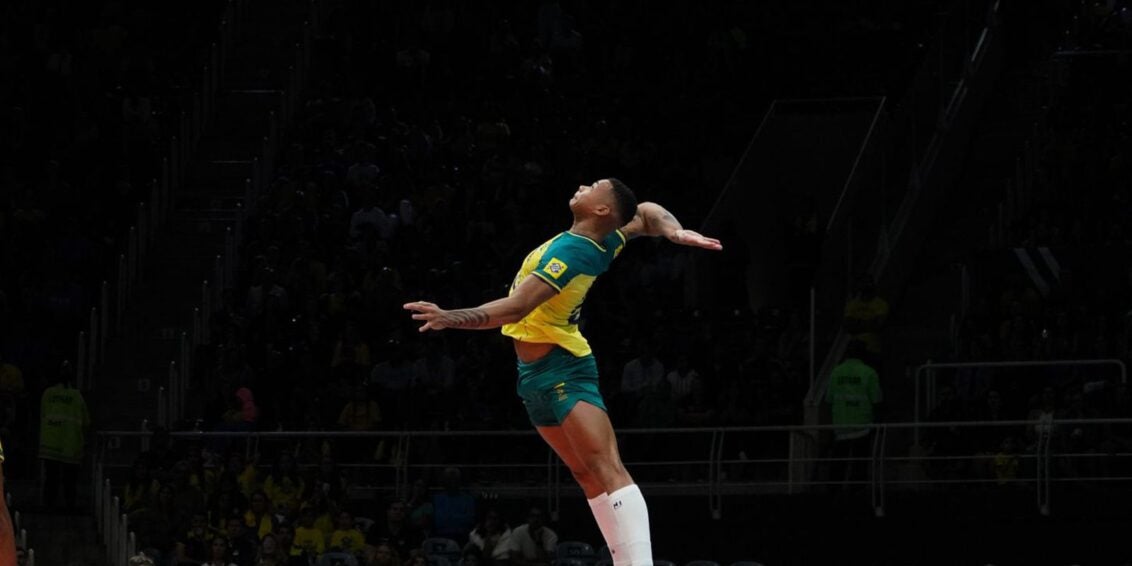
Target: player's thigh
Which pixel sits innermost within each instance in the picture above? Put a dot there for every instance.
(557, 439)
(591, 435)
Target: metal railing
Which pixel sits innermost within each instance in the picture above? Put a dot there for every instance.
(711, 462)
(924, 397)
(19, 530)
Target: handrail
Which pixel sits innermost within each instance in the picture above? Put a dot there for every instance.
(921, 164)
(919, 373)
(196, 434)
(879, 462)
(834, 217)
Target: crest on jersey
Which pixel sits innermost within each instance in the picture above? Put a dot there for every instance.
(555, 267)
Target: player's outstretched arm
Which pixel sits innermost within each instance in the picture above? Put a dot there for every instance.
(530, 293)
(653, 220)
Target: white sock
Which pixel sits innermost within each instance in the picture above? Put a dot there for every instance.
(603, 513)
(631, 518)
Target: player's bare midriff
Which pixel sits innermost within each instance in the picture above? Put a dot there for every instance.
(531, 351)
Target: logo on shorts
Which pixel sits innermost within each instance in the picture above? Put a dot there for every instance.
(617, 504)
(561, 390)
(555, 267)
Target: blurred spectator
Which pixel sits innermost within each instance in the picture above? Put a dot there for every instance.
(157, 525)
(192, 546)
(284, 486)
(330, 479)
(346, 536)
(420, 508)
(696, 410)
(853, 395)
(492, 537)
(682, 378)
(454, 508)
(140, 490)
(382, 555)
(641, 373)
(309, 539)
(11, 378)
(218, 553)
(285, 540)
(244, 413)
(242, 544)
(533, 543)
(270, 553)
(62, 431)
(351, 350)
(395, 530)
(258, 517)
(657, 408)
(866, 315)
(360, 414)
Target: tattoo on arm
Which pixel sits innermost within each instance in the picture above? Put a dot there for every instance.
(467, 318)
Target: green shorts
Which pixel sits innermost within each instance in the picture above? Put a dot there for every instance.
(553, 384)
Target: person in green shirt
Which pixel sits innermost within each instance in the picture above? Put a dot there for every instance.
(853, 396)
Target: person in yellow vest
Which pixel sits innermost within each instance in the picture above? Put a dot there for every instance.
(7, 532)
(62, 428)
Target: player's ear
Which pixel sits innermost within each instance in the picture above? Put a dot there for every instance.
(603, 210)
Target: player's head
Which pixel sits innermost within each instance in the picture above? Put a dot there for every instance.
(606, 198)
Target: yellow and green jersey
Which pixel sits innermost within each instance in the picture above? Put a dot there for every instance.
(570, 263)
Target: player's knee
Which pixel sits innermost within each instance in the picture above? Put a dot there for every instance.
(585, 479)
(604, 466)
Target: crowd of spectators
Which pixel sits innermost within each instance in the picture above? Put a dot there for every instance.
(189, 504)
(1075, 302)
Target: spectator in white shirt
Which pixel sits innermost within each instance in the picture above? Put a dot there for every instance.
(682, 379)
(533, 544)
(643, 372)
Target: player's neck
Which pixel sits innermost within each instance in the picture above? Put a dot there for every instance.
(591, 228)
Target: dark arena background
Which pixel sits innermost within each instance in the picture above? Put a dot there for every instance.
(911, 350)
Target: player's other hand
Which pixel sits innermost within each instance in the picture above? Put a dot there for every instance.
(431, 314)
(695, 239)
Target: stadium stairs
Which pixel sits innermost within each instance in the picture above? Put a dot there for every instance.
(209, 204)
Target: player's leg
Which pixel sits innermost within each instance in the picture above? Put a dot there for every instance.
(595, 493)
(594, 444)
(7, 531)
(556, 438)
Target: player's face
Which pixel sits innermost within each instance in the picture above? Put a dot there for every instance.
(588, 195)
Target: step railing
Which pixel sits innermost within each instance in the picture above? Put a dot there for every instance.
(171, 404)
(18, 529)
(111, 520)
(152, 216)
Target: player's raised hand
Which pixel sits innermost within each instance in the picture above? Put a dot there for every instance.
(695, 239)
(432, 315)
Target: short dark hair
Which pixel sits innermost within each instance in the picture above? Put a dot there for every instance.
(626, 200)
